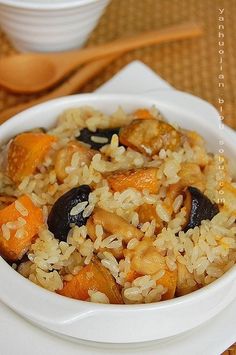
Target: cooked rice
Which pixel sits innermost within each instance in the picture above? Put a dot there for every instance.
(20, 208)
(6, 232)
(98, 297)
(97, 139)
(206, 252)
(78, 208)
(20, 233)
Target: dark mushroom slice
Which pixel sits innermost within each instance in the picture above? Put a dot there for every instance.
(198, 207)
(99, 138)
(63, 213)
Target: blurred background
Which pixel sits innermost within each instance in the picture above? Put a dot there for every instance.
(188, 65)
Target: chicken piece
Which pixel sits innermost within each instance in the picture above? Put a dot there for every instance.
(91, 229)
(64, 156)
(197, 143)
(145, 258)
(112, 224)
(149, 136)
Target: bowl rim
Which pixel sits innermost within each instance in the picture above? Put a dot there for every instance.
(38, 290)
(36, 5)
(92, 306)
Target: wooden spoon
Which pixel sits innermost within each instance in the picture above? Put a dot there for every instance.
(33, 72)
(70, 86)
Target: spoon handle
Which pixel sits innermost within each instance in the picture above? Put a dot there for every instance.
(176, 32)
(34, 72)
(81, 77)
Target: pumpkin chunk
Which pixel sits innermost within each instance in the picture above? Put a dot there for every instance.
(95, 277)
(139, 179)
(26, 152)
(19, 224)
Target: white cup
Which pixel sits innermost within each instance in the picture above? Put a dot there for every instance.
(49, 26)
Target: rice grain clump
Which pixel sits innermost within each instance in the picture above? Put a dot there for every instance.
(144, 218)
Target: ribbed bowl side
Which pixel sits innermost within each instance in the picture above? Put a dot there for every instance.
(50, 30)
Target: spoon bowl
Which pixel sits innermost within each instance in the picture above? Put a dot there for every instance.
(43, 70)
(29, 73)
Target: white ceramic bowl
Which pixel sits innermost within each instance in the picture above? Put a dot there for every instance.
(49, 25)
(119, 323)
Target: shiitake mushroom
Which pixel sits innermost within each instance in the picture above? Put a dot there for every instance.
(60, 217)
(198, 207)
(92, 138)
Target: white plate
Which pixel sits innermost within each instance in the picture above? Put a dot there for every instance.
(212, 338)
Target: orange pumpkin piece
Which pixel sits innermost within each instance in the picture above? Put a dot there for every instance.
(169, 281)
(143, 114)
(15, 242)
(132, 275)
(147, 213)
(26, 152)
(139, 179)
(95, 277)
